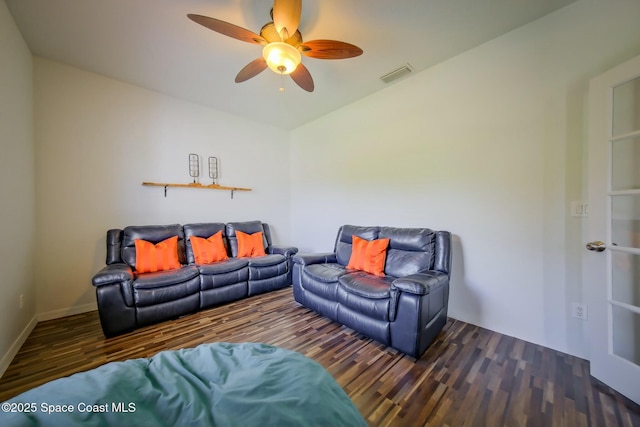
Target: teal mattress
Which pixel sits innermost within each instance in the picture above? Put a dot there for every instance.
(218, 384)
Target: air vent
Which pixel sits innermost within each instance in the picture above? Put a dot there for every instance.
(396, 74)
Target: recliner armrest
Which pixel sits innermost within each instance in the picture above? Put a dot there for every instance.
(319, 258)
(420, 283)
(111, 274)
(287, 251)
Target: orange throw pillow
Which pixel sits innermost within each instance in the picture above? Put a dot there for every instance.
(209, 250)
(368, 256)
(250, 245)
(160, 257)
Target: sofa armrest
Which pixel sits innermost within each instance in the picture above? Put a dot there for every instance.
(319, 258)
(420, 283)
(287, 251)
(112, 274)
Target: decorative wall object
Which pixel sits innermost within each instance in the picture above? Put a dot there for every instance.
(194, 166)
(213, 169)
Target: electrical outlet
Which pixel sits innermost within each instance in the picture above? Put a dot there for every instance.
(21, 300)
(579, 311)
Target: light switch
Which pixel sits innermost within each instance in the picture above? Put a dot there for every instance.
(579, 209)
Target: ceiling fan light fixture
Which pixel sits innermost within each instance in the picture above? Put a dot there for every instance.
(281, 57)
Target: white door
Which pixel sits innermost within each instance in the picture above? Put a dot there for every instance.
(612, 266)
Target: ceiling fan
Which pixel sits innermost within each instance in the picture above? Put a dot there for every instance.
(283, 44)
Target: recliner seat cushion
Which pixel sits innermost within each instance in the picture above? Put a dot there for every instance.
(366, 285)
(366, 294)
(156, 288)
(327, 273)
(266, 260)
(322, 279)
(165, 278)
(231, 264)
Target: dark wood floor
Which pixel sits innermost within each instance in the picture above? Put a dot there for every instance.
(469, 377)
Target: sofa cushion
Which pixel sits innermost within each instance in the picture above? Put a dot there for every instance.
(226, 266)
(153, 234)
(368, 255)
(162, 256)
(171, 294)
(322, 280)
(366, 285)
(250, 245)
(248, 227)
(366, 294)
(209, 250)
(266, 260)
(232, 273)
(410, 250)
(165, 278)
(324, 272)
(204, 230)
(344, 240)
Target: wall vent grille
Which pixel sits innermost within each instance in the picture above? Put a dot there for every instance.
(396, 74)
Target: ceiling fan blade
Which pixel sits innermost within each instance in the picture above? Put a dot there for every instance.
(303, 78)
(286, 15)
(227, 29)
(329, 49)
(252, 69)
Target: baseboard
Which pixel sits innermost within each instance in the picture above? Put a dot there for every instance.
(17, 344)
(49, 315)
(64, 312)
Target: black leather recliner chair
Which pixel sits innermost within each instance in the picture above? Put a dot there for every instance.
(405, 309)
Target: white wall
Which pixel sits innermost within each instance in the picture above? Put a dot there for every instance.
(98, 139)
(17, 190)
(488, 145)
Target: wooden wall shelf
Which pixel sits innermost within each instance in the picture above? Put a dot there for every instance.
(196, 185)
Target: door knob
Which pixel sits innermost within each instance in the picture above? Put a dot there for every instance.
(596, 246)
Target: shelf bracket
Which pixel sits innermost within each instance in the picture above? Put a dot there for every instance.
(165, 191)
(232, 193)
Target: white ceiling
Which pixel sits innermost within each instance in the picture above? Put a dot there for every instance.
(151, 43)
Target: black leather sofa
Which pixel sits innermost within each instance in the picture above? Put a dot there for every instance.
(128, 300)
(405, 308)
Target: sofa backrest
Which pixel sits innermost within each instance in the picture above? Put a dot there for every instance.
(248, 227)
(204, 230)
(114, 245)
(410, 250)
(153, 234)
(442, 257)
(121, 243)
